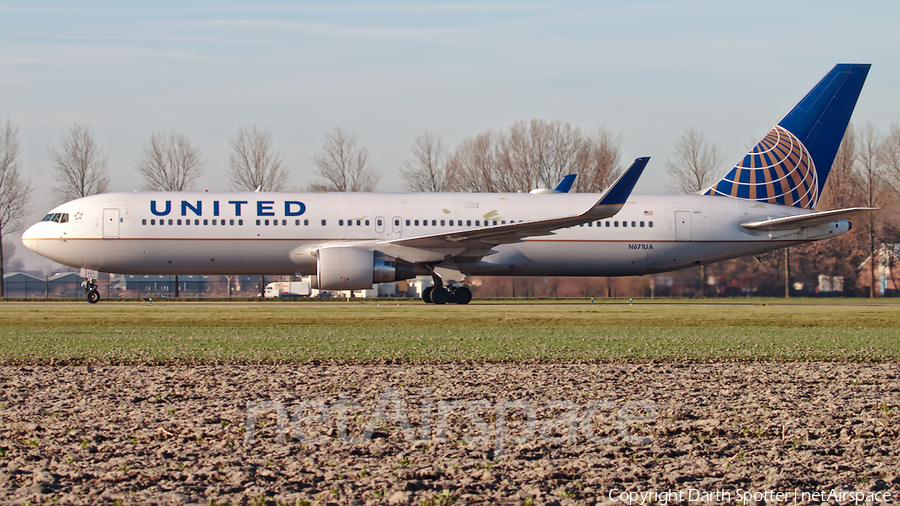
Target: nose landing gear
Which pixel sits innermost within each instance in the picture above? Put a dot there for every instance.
(90, 290)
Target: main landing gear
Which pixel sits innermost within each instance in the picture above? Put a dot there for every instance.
(90, 290)
(439, 294)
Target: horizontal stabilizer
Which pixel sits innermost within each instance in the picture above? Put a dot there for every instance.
(807, 220)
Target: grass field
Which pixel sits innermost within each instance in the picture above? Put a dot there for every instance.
(32, 333)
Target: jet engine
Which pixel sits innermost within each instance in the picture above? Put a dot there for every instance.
(347, 268)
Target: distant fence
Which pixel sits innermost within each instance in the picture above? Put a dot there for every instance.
(43, 289)
(219, 287)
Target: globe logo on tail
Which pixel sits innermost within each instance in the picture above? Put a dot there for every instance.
(778, 170)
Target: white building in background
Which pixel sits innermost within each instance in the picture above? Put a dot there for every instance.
(830, 284)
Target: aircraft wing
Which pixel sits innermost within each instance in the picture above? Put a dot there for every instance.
(807, 220)
(608, 204)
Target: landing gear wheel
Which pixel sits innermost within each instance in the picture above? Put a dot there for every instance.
(440, 295)
(462, 295)
(93, 296)
(426, 294)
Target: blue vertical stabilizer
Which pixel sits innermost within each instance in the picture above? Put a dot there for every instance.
(790, 164)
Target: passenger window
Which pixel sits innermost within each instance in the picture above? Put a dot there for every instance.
(170, 222)
(240, 222)
(153, 222)
(306, 222)
(214, 222)
(633, 224)
(642, 224)
(143, 222)
(416, 223)
(407, 223)
(615, 223)
(651, 224)
(258, 222)
(367, 223)
(231, 222)
(357, 223)
(340, 223)
(468, 223)
(323, 223)
(433, 223)
(179, 222)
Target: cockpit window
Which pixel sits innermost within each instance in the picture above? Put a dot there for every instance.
(57, 217)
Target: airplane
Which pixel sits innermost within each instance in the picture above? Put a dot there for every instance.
(351, 241)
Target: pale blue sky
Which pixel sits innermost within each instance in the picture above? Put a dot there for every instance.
(644, 69)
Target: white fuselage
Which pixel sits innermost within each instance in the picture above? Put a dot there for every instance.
(278, 233)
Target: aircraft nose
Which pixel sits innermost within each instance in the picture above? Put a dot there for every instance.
(30, 237)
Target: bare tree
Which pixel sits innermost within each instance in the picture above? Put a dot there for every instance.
(343, 166)
(598, 161)
(169, 163)
(533, 154)
(14, 190)
(695, 168)
(79, 165)
(475, 167)
(539, 153)
(839, 187)
(891, 155)
(254, 164)
(872, 188)
(696, 162)
(427, 170)
(838, 256)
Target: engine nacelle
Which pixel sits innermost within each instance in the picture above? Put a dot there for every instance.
(347, 268)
